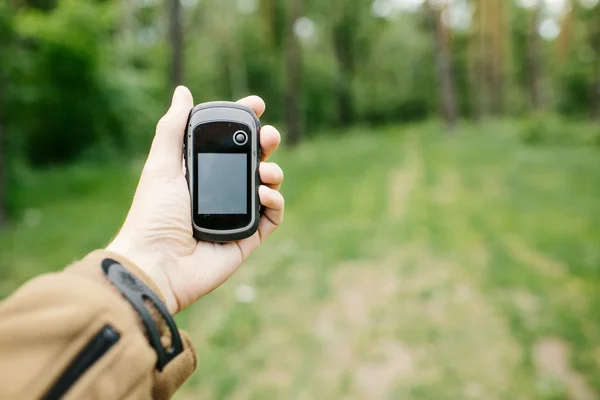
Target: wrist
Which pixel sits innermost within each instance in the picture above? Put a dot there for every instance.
(149, 268)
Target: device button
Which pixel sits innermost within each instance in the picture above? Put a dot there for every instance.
(240, 138)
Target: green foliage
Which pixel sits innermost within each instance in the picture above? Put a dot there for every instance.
(389, 86)
(576, 91)
(88, 79)
(67, 93)
(547, 129)
(61, 103)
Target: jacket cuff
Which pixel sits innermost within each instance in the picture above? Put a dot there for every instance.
(179, 369)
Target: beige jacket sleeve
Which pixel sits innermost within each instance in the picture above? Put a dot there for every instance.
(72, 335)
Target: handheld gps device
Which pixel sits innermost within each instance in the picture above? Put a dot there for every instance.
(222, 154)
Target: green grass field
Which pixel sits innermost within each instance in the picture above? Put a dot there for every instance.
(411, 265)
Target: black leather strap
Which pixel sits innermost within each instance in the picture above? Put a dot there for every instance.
(136, 292)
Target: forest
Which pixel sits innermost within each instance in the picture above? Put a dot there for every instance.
(472, 214)
(106, 67)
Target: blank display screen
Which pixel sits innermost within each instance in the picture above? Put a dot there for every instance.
(222, 185)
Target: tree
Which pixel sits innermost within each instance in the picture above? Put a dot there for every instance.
(176, 41)
(6, 33)
(489, 42)
(566, 33)
(2, 166)
(594, 34)
(445, 76)
(272, 22)
(476, 46)
(344, 27)
(498, 41)
(596, 86)
(293, 74)
(534, 63)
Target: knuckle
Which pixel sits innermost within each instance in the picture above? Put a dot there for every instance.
(164, 123)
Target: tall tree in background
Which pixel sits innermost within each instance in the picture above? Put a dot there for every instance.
(176, 41)
(497, 39)
(267, 19)
(534, 62)
(445, 76)
(2, 161)
(346, 15)
(487, 56)
(596, 86)
(5, 33)
(476, 47)
(594, 34)
(272, 21)
(293, 73)
(566, 33)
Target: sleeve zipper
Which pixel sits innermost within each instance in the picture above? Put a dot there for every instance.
(106, 338)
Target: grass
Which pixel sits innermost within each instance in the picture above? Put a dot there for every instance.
(411, 265)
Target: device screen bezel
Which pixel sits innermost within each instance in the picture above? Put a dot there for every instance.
(217, 137)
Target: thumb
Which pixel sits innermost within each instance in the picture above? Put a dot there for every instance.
(166, 151)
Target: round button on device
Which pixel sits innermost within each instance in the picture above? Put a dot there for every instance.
(240, 138)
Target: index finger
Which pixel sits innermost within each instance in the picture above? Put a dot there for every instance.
(255, 103)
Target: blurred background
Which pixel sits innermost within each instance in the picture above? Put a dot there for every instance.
(442, 164)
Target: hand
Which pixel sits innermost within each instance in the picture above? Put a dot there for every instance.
(157, 234)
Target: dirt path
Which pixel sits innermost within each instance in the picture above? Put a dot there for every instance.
(551, 358)
(415, 318)
(403, 181)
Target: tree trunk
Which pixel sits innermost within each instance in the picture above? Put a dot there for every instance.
(3, 164)
(343, 90)
(293, 74)
(343, 46)
(272, 21)
(445, 77)
(176, 41)
(596, 88)
(3, 216)
(267, 23)
(476, 90)
(485, 55)
(595, 81)
(565, 38)
(489, 53)
(534, 62)
(497, 57)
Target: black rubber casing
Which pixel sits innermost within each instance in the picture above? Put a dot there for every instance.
(223, 111)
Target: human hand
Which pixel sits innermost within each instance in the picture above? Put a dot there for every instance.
(157, 233)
